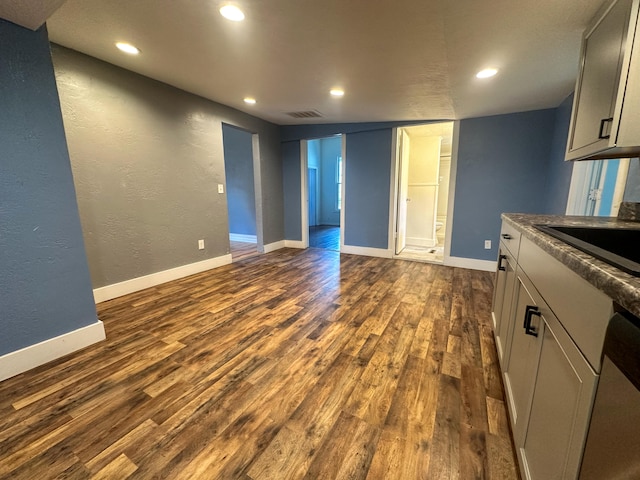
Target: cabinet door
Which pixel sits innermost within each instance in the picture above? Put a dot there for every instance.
(504, 327)
(521, 368)
(499, 289)
(560, 408)
(597, 90)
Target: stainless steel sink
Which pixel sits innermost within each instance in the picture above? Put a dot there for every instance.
(619, 247)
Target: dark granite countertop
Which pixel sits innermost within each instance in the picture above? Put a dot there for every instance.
(620, 286)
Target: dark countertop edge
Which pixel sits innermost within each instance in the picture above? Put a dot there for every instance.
(621, 287)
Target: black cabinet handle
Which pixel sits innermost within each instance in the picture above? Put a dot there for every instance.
(603, 122)
(528, 313)
(500, 266)
(506, 236)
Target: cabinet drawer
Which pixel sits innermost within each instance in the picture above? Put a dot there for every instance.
(583, 310)
(510, 238)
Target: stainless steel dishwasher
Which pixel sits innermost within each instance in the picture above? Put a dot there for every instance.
(612, 450)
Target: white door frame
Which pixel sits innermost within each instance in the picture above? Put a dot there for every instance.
(343, 152)
(304, 193)
(304, 188)
(257, 190)
(448, 227)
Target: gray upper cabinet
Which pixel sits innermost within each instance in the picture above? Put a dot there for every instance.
(606, 108)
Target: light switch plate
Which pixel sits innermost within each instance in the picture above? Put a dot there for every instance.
(220, 188)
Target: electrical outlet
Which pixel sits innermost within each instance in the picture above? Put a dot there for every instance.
(220, 188)
(487, 244)
(200, 244)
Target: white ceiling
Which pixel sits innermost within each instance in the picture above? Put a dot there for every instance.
(28, 13)
(396, 60)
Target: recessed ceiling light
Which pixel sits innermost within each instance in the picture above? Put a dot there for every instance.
(487, 72)
(128, 48)
(231, 12)
(250, 101)
(337, 92)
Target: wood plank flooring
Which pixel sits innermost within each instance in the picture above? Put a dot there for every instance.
(291, 365)
(242, 250)
(324, 236)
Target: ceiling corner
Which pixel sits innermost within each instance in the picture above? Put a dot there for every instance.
(31, 14)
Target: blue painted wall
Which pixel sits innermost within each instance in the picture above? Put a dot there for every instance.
(314, 153)
(291, 175)
(45, 289)
(557, 190)
(506, 163)
(502, 167)
(367, 181)
(238, 166)
(299, 132)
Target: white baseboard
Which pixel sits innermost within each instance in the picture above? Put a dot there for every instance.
(294, 244)
(471, 263)
(241, 237)
(108, 292)
(15, 363)
(367, 251)
(270, 247)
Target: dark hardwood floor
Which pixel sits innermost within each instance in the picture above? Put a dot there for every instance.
(324, 236)
(295, 364)
(242, 250)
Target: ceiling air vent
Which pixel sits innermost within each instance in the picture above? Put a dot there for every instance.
(307, 114)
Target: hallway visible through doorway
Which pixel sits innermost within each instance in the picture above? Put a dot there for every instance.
(324, 190)
(324, 236)
(423, 166)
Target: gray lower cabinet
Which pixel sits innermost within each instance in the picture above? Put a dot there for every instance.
(560, 408)
(502, 324)
(504, 286)
(549, 338)
(520, 371)
(550, 389)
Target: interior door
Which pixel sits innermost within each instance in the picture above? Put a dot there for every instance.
(403, 189)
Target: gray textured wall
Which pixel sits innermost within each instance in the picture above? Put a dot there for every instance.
(45, 289)
(241, 195)
(146, 161)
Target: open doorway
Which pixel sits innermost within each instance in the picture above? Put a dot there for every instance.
(324, 189)
(423, 170)
(241, 198)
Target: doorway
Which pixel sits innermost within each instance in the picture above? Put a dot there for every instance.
(423, 172)
(597, 187)
(324, 191)
(239, 156)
